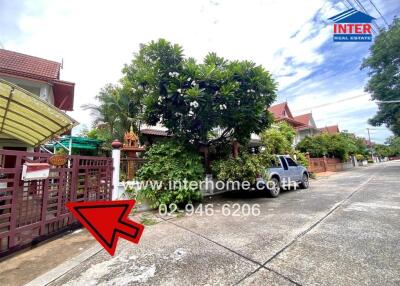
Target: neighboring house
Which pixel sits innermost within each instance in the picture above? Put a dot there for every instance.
(303, 124)
(281, 112)
(333, 129)
(309, 128)
(25, 120)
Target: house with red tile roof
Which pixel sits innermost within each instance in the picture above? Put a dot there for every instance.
(36, 100)
(39, 76)
(281, 112)
(333, 129)
(303, 124)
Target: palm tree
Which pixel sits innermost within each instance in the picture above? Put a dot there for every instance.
(105, 112)
(116, 110)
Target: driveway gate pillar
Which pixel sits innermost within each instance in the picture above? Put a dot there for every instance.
(116, 155)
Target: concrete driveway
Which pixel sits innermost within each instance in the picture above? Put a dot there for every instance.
(344, 230)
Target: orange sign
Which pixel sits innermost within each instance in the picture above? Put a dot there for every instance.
(58, 160)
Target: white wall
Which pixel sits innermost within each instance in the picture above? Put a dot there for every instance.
(39, 88)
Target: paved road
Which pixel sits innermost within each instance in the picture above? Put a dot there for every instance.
(345, 230)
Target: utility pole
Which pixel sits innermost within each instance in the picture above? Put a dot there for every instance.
(370, 144)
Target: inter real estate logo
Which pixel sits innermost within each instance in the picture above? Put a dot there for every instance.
(352, 26)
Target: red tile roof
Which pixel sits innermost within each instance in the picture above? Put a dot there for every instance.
(282, 112)
(330, 129)
(304, 118)
(28, 66)
(25, 66)
(278, 110)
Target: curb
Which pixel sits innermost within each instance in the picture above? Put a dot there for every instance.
(63, 268)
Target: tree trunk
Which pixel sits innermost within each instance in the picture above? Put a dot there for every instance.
(235, 149)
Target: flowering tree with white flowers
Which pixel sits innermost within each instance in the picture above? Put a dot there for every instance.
(206, 103)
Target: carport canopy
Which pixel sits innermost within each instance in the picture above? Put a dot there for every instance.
(28, 118)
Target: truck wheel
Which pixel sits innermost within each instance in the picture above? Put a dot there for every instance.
(274, 187)
(304, 182)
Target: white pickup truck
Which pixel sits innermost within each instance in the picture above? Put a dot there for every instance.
(286, 173)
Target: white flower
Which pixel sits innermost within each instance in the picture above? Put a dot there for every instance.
(189, 79)
(191, 113)
(173, 74)
(193, 83)
(222, 106)
(194, 104)
(179, 90)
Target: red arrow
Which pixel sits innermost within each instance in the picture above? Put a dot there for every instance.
(107, 221)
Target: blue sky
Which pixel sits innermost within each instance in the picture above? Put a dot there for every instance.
(292, 39)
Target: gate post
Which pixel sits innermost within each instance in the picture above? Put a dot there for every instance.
(116, 156)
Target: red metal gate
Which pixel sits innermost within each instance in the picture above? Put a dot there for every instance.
(31, 211)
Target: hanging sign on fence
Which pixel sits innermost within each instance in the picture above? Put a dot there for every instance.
(35, 171)
(58, 160)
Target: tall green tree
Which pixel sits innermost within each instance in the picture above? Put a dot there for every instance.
(384, 69)
(394, 145)
(194, 99)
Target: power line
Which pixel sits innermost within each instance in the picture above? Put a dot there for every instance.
(331, 103)
(365, 10)
(378, 129)
(347, 5)
(383, 18)
(354, 7)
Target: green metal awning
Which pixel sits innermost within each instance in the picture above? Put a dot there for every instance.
(28, 118)
(81, 143)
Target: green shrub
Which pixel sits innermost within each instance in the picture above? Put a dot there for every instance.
(340, 145)
(244, 168)
(360, 157)
(278, 138)
(168, 162)
(300, 158)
